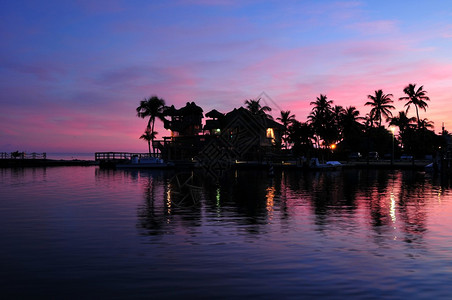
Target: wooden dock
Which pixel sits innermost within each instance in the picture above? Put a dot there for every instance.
(22, 155)
(110, 159)
(37, 160)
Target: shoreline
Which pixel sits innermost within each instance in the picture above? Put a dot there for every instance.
(25, 163)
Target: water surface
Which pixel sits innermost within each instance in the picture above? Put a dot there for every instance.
(84, 232)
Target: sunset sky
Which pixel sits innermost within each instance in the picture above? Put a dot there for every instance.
(73, 72)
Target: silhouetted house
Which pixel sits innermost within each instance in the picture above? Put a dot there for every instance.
(242, 134)
(253, 136)
(186, 121)
(185, 126)
(214, 123)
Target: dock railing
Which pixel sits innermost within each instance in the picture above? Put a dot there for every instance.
(114, 156)
(22, 155)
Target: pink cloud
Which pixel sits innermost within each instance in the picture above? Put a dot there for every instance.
(296, 79)
(85, 96)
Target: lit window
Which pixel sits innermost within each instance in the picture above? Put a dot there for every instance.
(270, 133)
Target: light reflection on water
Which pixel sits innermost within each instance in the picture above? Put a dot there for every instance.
(85, 232)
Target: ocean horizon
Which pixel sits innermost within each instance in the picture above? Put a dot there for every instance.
(70, 155)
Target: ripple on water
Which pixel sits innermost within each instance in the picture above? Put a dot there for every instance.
(107, 233)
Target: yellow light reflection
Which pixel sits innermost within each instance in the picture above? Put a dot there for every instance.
(270, 200)
(392, 213)
(168, 200)
(392, 209)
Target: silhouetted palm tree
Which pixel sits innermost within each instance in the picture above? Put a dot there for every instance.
(152, 108)
(148, 136)
(315, 121)
(255, 108)
(380, 106)
(402, 121)
(426, 123)
(322, 121)
(417, 97)
(338, 111)
(322, 104)
(350, 119)
(286, 119)
(302, 137)
(337, 114)
(369, 120)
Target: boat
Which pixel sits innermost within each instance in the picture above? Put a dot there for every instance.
(144, 162)
(314, 164)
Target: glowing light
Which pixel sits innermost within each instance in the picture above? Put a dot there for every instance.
(392, 209)
(333, 146)
(270, 133)
(217, 196)
(270, 200)
(168, 199)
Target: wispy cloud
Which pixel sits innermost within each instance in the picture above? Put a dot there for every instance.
(74, 78)
(379, 27)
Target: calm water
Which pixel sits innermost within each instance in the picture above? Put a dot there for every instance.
(82, 232)
(70, 156)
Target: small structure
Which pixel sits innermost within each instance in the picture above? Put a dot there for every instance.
(185, 126)
(186, 121)
(258, 132)
(214, 124)
(238, 134)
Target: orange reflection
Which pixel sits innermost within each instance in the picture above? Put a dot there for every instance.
(270, 200)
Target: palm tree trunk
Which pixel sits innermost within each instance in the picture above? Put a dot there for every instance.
(152, 132)
(418, 119)
(149, 122)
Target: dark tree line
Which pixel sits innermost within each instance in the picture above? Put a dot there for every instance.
(329, 124)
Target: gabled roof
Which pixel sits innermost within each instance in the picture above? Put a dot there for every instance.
(189, 109)
(273, 124)
(214, 114)
(269, 123)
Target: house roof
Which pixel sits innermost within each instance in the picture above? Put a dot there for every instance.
(273, 124)
(214, 114)
(269, 123)
(189, 109)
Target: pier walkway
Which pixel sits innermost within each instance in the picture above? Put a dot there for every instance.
(110, 159)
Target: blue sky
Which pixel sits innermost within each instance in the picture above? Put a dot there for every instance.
(73, 72)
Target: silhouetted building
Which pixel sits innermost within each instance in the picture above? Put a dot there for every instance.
(214, 123)
(239, 132)
(186, 121)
